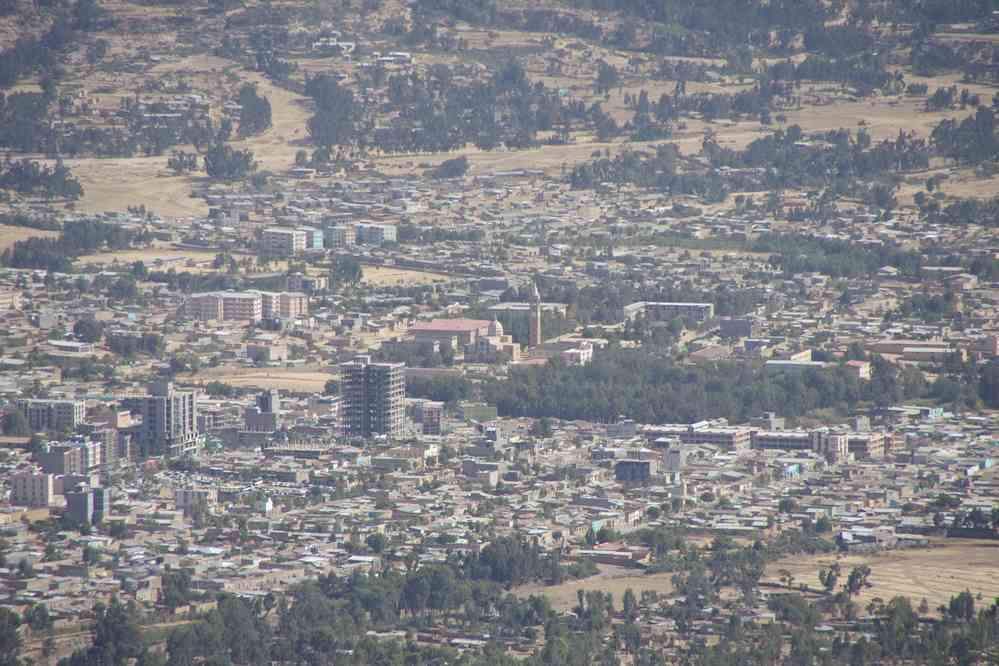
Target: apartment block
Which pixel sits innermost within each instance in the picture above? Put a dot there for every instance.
(283, 242)
(34, 489)
(340, 236)
(169, 422)
(52, 414)
(376, 234)
(696, 312)
(373, 397)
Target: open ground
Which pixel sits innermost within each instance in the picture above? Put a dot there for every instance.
(936, 574)
(10, 235)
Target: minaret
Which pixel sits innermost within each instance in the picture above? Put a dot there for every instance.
(534, 336)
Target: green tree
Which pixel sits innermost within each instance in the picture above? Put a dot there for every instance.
(10, 638)
(88, 329)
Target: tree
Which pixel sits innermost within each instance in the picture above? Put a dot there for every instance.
(375, 542)
(630, 605)
(38, 618)
(226, 163)
(542, 428)
(829, 577)
(254, 111)
(787, 505)
(182, 162)
(88, 329)
(607, 77)
(857, 580)
(117, 639)
(346, 270)
(454, 168)
(10, 638)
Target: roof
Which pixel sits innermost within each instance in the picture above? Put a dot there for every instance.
(451, 325)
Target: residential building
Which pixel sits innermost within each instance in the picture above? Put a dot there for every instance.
(283, 242)
(376, 234)
(34, 489)
(52, 414)
(695, 312)
(373, 397)
(169, 421)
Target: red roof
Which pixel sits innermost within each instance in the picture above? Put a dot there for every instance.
(451, 325)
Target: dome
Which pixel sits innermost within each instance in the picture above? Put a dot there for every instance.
(495, 329)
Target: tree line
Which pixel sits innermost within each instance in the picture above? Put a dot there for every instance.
(77, 237)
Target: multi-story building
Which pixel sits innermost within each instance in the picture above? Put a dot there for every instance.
(314, 238)
(32, 489)
(731, 439)
(376, 234)
(283, 305)
(695, 312)
(373, 397)
(194, 498)
(241, 306)
(307, 283)
(169, 421)
(205, 307)
(61, 459)
(740, 327)
(10, 299)
(340, 236)
(248, 305)
(283, 241)
(226, 306)
(52, 414)
(88, 504)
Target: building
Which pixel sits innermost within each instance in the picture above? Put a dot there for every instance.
(10, 299)
(283, 242)
(307, 283)
(283, 305)
(493, 346)
(80, 505)
(430, 415)
(265, 415)
(339, 237)
(731, 439)
(516, 315)
(169, 422)
(373, 397)
(859, 369)
(376, 234)
(454, 332)
(33, 489)
(745, 327)
(226, 306)
(637, 471)
(52, 414)
(189, 500)
(695, 312)
(61, 459)
(248, 305)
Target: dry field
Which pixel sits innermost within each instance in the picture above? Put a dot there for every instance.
(309, 381)
(10, 235)
(614, 580)
(183, 260)
(383, 276)
(935, 574)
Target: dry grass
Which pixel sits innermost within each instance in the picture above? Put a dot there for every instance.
(10, 235)
(385, 276)
(306, 381)
(935, 574)
(615, 580)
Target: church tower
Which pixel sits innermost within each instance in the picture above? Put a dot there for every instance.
(534, 336)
